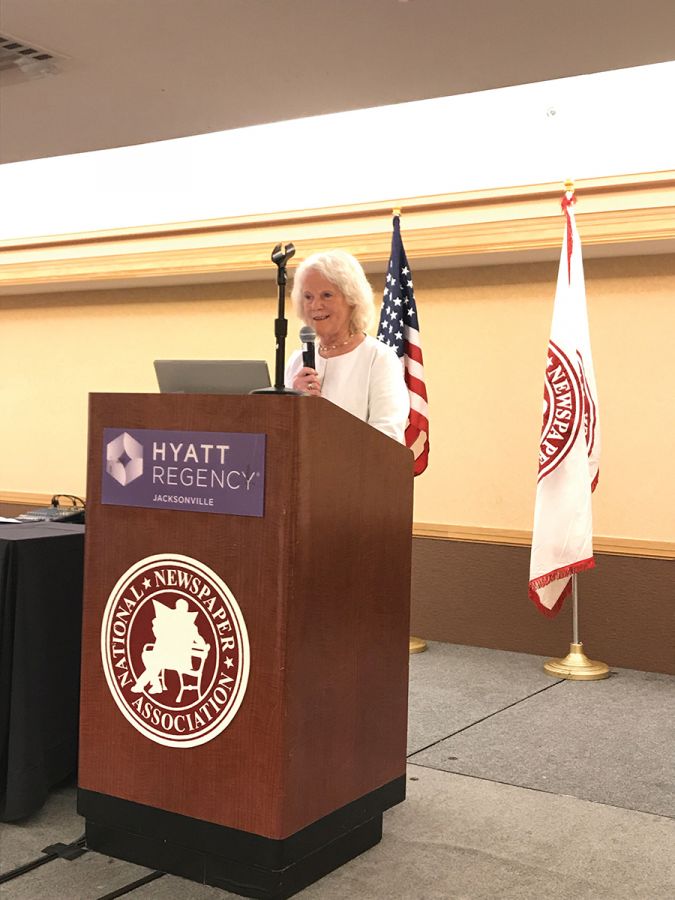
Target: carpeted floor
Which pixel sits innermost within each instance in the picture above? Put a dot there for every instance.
(519, 786)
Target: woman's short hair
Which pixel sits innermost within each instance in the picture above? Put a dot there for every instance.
(344, 271)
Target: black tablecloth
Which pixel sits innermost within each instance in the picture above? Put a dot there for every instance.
(41, 569)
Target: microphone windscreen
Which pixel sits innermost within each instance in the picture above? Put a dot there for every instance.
(308, 336)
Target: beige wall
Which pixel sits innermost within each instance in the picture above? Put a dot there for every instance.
(490, 327)
(484, 335)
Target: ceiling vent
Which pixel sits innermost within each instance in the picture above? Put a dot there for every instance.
(20, 61)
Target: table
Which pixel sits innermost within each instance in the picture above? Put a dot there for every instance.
(41, 570)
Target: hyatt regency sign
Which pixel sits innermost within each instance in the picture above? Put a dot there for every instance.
(202, 471)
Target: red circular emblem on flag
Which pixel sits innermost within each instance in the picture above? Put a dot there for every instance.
(590, 411)
(563, 409)
(175, 650)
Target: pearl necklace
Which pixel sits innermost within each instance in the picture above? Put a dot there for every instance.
(325, 349)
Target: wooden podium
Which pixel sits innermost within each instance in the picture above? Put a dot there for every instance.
(296, 782)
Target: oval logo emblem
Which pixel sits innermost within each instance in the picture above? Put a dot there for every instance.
(563, 408)
(175, 650)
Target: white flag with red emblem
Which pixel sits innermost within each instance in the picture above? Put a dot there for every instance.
(569, 447)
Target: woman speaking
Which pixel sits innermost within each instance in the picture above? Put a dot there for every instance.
(353, 370)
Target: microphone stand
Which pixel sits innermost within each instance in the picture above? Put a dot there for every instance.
(280, 257)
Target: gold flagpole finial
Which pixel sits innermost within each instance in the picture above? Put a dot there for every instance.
(569, 185)
(396, 211)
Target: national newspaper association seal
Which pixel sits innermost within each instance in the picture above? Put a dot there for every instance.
(175, 650)
(563, 410)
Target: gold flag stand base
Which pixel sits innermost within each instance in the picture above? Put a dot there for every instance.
(576, 666)
(417, 645)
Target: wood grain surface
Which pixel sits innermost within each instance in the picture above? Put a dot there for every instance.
(323, 581)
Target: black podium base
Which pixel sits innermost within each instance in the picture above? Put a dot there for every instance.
(243, 863)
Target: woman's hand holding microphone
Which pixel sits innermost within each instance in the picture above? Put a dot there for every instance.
(307, 380)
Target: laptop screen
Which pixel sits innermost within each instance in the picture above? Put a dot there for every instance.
(211, 376)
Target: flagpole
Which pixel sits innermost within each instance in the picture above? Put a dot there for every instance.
(576, 666)
(575, 610)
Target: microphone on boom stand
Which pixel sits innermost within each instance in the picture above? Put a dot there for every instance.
(280, 256)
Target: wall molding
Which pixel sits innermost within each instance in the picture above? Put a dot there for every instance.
(455, 228)
(473, 534)
(24, 498)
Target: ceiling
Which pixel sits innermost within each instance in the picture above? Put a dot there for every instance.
(131, 72)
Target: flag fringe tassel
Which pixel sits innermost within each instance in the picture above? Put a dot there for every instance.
(557, 575)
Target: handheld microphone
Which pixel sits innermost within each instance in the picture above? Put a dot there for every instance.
(308, 336)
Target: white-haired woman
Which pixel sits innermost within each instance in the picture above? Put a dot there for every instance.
(353, 370)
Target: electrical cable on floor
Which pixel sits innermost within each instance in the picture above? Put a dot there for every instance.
(55, 851)
(128, 888)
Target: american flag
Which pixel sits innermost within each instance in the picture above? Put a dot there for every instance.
(399, 328)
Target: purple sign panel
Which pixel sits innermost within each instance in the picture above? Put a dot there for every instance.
(202, 471)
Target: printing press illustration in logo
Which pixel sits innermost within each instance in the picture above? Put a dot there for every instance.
(175, 650)
(563, 410)
(124, 459)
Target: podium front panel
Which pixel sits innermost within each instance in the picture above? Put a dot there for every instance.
(322, 583)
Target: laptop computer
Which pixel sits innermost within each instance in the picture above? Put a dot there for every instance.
(211, 376)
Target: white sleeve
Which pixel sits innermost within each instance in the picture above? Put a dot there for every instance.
(388, 403)
(293, 366)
